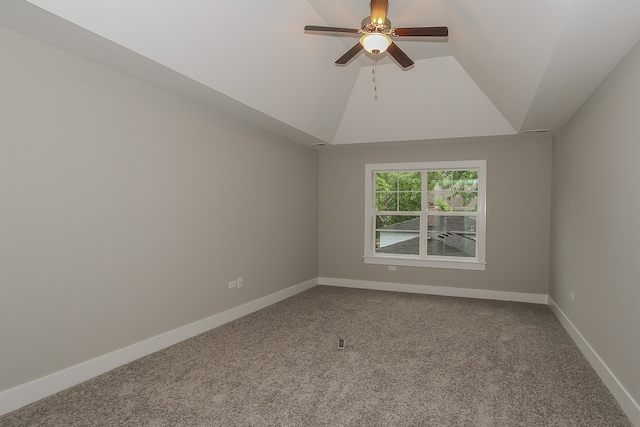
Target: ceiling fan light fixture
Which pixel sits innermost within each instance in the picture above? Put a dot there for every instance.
(374, 34)
(375, 42)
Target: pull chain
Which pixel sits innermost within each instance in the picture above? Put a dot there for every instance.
(375, 83)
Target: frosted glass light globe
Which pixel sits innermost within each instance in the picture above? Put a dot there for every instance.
(375, 42)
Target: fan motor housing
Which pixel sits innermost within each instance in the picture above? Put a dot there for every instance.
(368, 26)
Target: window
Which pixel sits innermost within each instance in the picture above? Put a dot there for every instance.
(426, 214)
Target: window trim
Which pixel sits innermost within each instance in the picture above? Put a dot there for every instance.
(370, 256)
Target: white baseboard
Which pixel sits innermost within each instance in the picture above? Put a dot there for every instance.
(40, 388)
(435, 290)
(627, 403)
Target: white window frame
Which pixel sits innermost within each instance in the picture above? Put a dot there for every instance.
(370, 255)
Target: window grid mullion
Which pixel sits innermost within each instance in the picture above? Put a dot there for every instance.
(398, 213)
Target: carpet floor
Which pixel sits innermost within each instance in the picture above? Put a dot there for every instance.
(408, 360)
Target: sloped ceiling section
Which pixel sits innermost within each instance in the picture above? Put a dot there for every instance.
(449, 104)
(507, 66)
(251, 51)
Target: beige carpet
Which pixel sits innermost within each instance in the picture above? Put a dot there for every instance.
(409, 360)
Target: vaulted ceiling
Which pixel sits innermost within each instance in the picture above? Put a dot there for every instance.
(508, 66)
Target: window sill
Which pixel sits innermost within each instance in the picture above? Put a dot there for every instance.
(415, 262)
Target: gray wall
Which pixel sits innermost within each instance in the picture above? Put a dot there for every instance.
(125, 211)
(595, 226)
(518, 215)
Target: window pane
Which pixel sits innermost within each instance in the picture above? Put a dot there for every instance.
(465, 186)
(451, 236)
(386, 181)
(410, 181)
(439, 180)
(386, 201)
(466, 180)
(453, 191)
(397, 234)
(464, 201)
(439, 201)
(410, 202)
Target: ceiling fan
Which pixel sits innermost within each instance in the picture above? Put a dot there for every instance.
(376, 32)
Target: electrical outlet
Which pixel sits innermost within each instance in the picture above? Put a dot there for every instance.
(392, 268)
(239, 282)
(233, 284)
(572, 296)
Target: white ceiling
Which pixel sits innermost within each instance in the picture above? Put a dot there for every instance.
(506, 67)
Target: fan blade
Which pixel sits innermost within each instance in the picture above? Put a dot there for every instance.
(331, 29)
(350, 54)
(379, 11)
(422, 32)
(399, 55)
